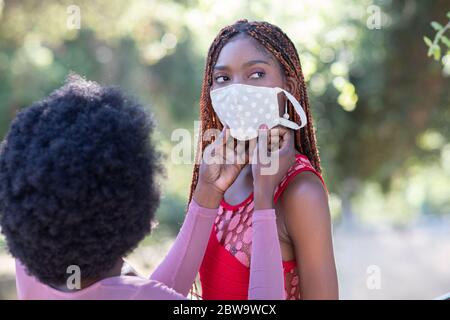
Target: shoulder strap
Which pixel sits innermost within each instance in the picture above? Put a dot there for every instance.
(301, 164)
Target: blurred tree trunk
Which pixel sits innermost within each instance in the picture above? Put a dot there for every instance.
(348, 190)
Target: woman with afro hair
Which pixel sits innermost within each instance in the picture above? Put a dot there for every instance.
(78, 192)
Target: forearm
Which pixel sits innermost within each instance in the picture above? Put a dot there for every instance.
(180, 266)
(266, 268)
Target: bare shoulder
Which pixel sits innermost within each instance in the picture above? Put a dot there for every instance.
(305, 185)
(305, 195)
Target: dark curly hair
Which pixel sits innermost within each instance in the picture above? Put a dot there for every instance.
(78, 181)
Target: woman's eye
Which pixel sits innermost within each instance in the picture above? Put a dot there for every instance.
(221, 79)
(257, 75)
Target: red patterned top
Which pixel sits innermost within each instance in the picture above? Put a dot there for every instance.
(225, 270)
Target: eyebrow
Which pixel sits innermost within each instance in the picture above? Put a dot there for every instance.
(247, 64)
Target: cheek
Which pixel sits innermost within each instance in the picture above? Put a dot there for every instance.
(281, 103)
(277, 81)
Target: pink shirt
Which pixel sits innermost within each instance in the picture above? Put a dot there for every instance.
(175, 275)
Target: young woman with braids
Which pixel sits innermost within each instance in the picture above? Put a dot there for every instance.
(260, 54)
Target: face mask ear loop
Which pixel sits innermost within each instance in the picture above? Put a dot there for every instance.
(298, 108)
(286, 114)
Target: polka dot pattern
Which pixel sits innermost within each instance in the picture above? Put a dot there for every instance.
(253, 106)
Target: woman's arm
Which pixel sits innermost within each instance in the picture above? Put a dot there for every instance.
(266, 268)
(181, 264)
(307, 217)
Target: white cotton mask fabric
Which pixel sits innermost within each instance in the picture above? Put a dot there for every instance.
(244, 108)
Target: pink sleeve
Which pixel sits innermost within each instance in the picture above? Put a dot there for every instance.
(181, 264)
(266, 267)
(26, 284)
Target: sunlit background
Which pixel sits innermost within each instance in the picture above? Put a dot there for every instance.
(380, 103)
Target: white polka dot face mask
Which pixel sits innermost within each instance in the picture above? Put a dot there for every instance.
(245, 108)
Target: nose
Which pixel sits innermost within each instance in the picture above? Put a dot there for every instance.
(239, 80)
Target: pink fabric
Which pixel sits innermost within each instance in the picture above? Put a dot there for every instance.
(175, 275)
(266, 259)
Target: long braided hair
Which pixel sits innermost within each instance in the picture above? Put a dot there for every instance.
(275, 41)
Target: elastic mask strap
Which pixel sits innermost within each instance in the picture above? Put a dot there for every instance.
(288, 123)
(298, 108)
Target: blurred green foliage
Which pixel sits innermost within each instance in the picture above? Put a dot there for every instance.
(381, 108)
(434, 47)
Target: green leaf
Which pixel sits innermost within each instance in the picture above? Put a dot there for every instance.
(448, 14)
(431, 50)
(445, 41)
(436, 52)
(428, 41)
(436, 25)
